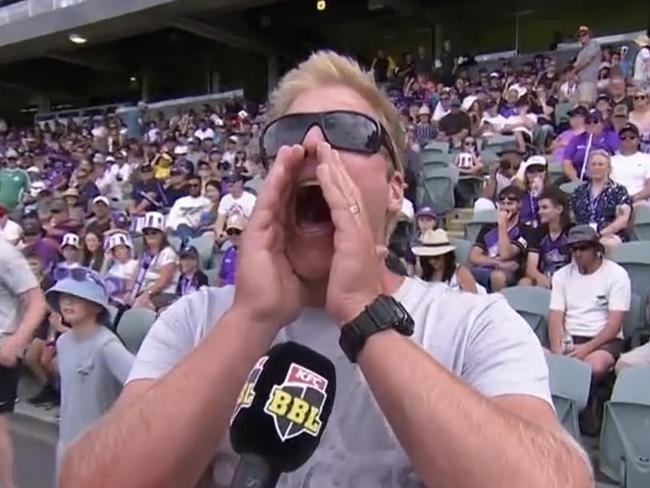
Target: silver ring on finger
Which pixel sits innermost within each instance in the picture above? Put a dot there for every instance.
(354, 209)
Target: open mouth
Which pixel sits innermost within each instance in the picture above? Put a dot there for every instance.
(311, 210)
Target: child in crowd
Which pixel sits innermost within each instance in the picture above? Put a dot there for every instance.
(192, 278)
(70, 247)
(234, 227)
(121, 267)
(93, 363)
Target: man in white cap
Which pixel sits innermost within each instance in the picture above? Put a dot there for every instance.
(642, 62)
(13, 181)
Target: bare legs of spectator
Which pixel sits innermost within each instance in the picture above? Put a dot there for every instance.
(498, 280)
(526, 282)
(610, 242)
(600, 363)
(6, 454)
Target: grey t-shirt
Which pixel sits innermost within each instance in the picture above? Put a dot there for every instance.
(15, 278)
(591, 50)
(478, 338)
(93, 370)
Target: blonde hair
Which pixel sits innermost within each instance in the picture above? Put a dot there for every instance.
(329, 68)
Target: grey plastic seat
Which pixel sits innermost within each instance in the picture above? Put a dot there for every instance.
(531, 302)
(205, 247)
(437, 146)
(570, 187)
(625, 433)
(440, 184)
(175, 242)
(463, 249)
(635, 258)
(138, 244)
(634, 318)
(570, 380)
(641, 224)
(134, 326)
(479, 219)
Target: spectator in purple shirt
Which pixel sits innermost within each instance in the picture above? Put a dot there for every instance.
(500, 249)
(596, 137)
(548, 252)
(234, 227)
(36, 243)
(577, 123)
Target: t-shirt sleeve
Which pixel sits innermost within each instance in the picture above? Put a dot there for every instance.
(503, 356)
(571, 148)
(480, 238)
(535, 237)
(14, 270)
(522, 240)
(620, 291)
(167, 256)
(118, 359)
(170, 338)
(558, 298)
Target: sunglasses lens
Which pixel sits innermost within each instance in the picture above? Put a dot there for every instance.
(285, 131)
(353, 132)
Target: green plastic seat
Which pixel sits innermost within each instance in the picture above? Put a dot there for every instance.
(205, 247)
(625, 433)
(570, 380)
(479, 219)
(134, 326)
(641, 224)
(440, 184)
(635, 258)
(437, 146)
(463, 249)
(532, 303)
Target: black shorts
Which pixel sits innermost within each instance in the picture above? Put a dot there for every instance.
(614, 347)
(8, 388)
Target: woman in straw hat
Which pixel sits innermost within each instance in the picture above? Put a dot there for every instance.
(437, 262)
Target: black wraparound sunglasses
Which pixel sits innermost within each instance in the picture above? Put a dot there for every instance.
(343, 129)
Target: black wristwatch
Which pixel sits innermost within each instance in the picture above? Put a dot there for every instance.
(383, 313)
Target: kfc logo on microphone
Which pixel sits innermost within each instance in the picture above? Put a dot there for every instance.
(296, 404)
(247, 393)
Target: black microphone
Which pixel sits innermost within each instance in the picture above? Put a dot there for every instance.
(281, 414)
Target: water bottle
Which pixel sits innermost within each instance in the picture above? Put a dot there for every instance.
(567, 342)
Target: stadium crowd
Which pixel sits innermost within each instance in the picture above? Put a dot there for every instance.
(146, 208)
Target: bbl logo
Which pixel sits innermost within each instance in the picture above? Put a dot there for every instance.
(247, 393)
(295, 405)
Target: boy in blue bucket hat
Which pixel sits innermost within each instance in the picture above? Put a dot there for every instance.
(93, 363)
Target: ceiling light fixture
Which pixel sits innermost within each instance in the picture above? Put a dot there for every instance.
(77, 39)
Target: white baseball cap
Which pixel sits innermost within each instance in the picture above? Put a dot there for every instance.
(70, 240)
(101, 199)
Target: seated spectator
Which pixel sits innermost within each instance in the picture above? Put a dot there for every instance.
(205, 173)
(14, 181)
(502, 174)
(522, 123)
(617, 90)
(424, 131)
(191, 277)
(500, 249)
(437, 262)
(70, 250)
(492, 122)
(105, 178)
(234, 227)
(631, 167)
(454, 126)
(577, 126)
(619, 117)
(535, 178)
(589, 300)
(235, 201)
(92, 254)
(602, 203)
(155, 282)
(184, 218)
(87, 189)
(547, 250)
(60, 223)
(425, 219)
(90, 358)
(176, 185)
(604, 106)
(75, 210)
(443, 107)
(508, 106)
(100, 223)
(162, 165)
(35, 242)
(468, 161)
(10, 231)
(120, 224)
(120, 267)
(569, 88)
(596, 137)
(148, 193)
(640, 115)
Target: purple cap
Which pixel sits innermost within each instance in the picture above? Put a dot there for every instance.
(426, 212)
(121, 220)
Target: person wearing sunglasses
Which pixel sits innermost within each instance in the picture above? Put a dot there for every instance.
(311, 263)
(235, 225)
(640, 115)
(587, 66)
(602, 203)
(191, 277)
(596, 137)
(589, 300)
(184, 219)
(631, 167)
(499, 253)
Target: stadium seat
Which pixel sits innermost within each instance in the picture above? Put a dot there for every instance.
(175, 242)
(133, 327)
(138, 244)
(634, 319)
(440, 184)
(431, 161)
(489, 157)
(562, 112)
(531, 302)
(635, 258)
(641, 224)
(625, 433)
(213, 276)
(499, 143)
(463, 248)
(205, 247)
(570, 380)
(570, 187)
(437, 146)
(479, 219)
